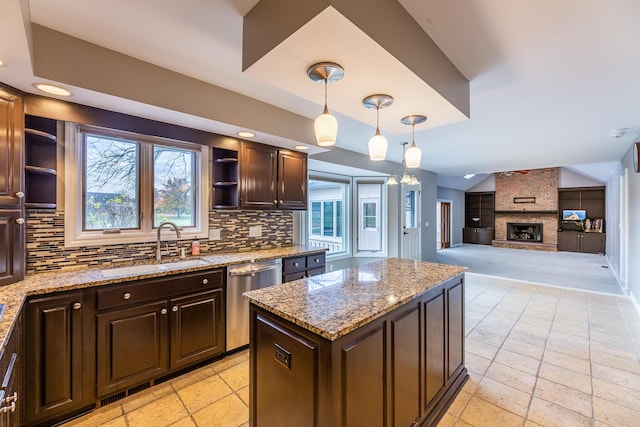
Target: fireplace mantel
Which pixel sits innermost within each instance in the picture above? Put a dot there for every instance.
(513, 212)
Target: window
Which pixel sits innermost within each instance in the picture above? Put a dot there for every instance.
(326, 225)
(128, 184)
(371, 230)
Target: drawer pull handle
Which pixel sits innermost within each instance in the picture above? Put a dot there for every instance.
(174, 308)
(163, 311)
(295, 264)
(126, 295)
(77, 306)
(205, 281)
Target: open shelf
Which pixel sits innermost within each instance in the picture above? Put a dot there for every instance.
(40, 168)
(225, 179)
(42, 134)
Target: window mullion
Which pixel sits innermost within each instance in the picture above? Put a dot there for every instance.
(145, 187)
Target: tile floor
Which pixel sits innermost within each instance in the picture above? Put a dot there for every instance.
(536, 355)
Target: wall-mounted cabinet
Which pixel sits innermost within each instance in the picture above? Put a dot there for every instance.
(479, 218)
(224, 179)
(40, 162)
(590, 199)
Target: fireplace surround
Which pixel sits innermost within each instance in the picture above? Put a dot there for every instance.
(524, 232)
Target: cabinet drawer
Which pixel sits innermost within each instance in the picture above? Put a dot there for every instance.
(315, 271)
(290, 265)
(151, 289)
(315, 261)
(293, 276)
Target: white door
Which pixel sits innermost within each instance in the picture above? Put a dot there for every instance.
(410, 217)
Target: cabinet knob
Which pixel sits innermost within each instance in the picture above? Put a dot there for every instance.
(12, 398)
(281, 202)
(275, 202)
(163, 311)
(126, 295)
(316, 260)
(77, 306)
(20, 221)
(19, 194)
(174, 308)
(205, 281)
(295, 264)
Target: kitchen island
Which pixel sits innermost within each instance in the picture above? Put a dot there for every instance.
(378, 345)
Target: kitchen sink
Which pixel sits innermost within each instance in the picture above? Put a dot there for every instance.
(151, 268)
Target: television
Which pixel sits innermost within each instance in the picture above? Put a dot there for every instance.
(574, 215)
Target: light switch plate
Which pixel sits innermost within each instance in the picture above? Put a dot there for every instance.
(214, 234)
(255, 231)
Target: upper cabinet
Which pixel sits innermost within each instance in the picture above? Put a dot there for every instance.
(224, 172)
(11, 125)
(40, 162)
(271, 178)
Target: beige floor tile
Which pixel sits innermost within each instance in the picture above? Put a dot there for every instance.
(528, 337)
(565, 377)
(568, 362)
(237, 376)
(480, 348)
(502, 395)
(185, 422)
(529, 350)
(203, 393)
(142, 398)
(564, 396)
(159, 413)
(192, 377)
(551, 415)
(529, 423)
(518, 361)
(479, 412)
(458, 405)
(616, 415)
(461, 423)
(616, 376)
(226, 412)
(243, 393)
(617, 394)
(581, 330)
(97, 417)
(511, 377)
(487, 337)
(475, 363)
(116, 422)
(230, 361)
(447, 420)
(627, 351)
(629, 365)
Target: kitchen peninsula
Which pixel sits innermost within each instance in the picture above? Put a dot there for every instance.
(379, 344)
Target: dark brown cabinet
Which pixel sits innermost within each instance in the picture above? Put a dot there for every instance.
(149, 328)
(404, 368)
(573, 241)
(40, 162)
(224, 172)
(480, 236)
(11, 393)
(272, 178)
(12, 241)
(299, 267)
(59, 356)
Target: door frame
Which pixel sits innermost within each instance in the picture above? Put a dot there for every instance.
(418, 206)
(449, 228)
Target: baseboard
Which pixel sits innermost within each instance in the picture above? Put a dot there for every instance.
(634, 300)
(616, 275)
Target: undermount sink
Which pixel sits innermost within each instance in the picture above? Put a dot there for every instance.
(151, 268)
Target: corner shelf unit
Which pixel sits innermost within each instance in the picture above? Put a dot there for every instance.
(40, 168)
(480, 206)
(224, 179)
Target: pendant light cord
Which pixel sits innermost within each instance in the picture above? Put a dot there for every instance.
(326, 110)
(377, 119)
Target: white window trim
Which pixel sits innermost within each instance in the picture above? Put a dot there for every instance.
(384, 221)
(74, 236)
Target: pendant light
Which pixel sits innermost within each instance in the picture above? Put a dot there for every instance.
(405, 179)
(325, 125)
(413, 154)
(377, 143)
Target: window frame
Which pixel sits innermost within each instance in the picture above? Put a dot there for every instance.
(382, 217)
(75, 236)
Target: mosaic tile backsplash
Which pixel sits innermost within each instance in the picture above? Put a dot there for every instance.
(46, 250)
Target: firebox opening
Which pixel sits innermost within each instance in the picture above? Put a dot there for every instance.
(524, 232)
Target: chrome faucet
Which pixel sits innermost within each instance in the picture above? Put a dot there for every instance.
(158, 250)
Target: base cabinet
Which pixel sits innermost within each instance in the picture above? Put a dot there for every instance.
(479, 236)
(402, 369)
(59, 356)
(594, 243)
(11, 392)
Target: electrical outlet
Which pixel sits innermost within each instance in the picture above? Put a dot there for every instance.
(214, 234)
(255, 231)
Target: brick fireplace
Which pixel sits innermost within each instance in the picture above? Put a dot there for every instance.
(527, 198)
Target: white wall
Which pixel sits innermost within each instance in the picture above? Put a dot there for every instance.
(457, 211)
(613, 222)
(487, 184)
(633, 232)
(570, 179)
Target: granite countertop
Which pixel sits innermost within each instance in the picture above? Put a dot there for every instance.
(336, 303)
(13, 296)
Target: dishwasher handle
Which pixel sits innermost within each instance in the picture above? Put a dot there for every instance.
(249, 271)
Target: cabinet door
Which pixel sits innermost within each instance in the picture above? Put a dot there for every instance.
(58, 357)
(258, 177)
(568, 241)
(434, 347)
(469, 235)
(292, 180)
(455, 329)
(197, 330)
(132, 346)
(12, 238)
(592, 243)
(10, 368)
(484, 236)
(11, 125)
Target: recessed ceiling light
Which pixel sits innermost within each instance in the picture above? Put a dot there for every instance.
(2, 63)
(301, 147)
(246, 134)
(469, 176)
(51, 89)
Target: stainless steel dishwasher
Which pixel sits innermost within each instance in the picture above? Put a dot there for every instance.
(240, 279)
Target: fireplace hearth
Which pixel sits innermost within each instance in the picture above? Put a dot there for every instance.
(524, 232)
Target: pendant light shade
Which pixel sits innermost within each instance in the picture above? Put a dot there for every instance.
(325, 125)
(413, 154)
(406, 178)
(377, 143)
(392, 180)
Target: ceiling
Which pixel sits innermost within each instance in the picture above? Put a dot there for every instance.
(548, 80)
